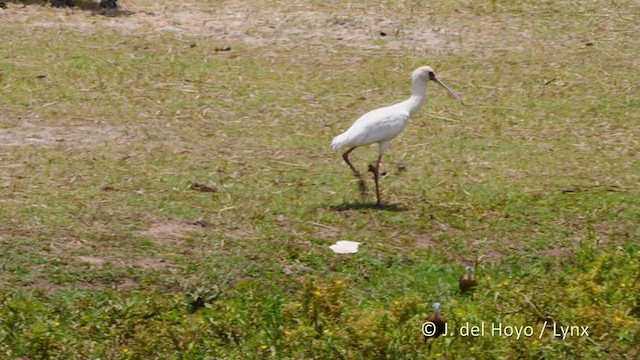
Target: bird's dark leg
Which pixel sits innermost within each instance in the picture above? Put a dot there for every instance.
(376, 177)
(345, 156)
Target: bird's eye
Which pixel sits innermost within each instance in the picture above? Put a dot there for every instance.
(431, 75)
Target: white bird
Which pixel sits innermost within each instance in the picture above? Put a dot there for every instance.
(345, 247)
(383, 124)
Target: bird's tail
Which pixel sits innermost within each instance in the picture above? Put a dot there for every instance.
(339, 141)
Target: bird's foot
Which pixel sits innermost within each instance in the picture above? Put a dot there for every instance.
(373, 170)
(362, 186)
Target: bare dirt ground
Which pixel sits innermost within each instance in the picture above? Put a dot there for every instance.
(172, 230)
(283, 24)
(32, 132)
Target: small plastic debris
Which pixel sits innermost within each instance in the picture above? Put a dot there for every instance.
(345, 247)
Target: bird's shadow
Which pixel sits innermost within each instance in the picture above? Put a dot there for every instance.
(367, 206)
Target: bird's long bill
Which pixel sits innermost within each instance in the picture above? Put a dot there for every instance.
(449, 90)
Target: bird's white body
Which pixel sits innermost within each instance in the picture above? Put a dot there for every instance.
(377, 126)
(384, 124)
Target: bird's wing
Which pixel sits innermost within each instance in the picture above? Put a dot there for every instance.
(378, 125)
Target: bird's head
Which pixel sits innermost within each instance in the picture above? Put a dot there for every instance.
(425, 73)
(469, 270)
(436, 308)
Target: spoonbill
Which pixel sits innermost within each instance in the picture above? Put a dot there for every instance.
(384, 124)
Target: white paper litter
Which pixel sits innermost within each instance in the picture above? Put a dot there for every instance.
(345, 247)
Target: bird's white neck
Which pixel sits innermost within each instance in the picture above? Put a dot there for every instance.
(418, 95)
